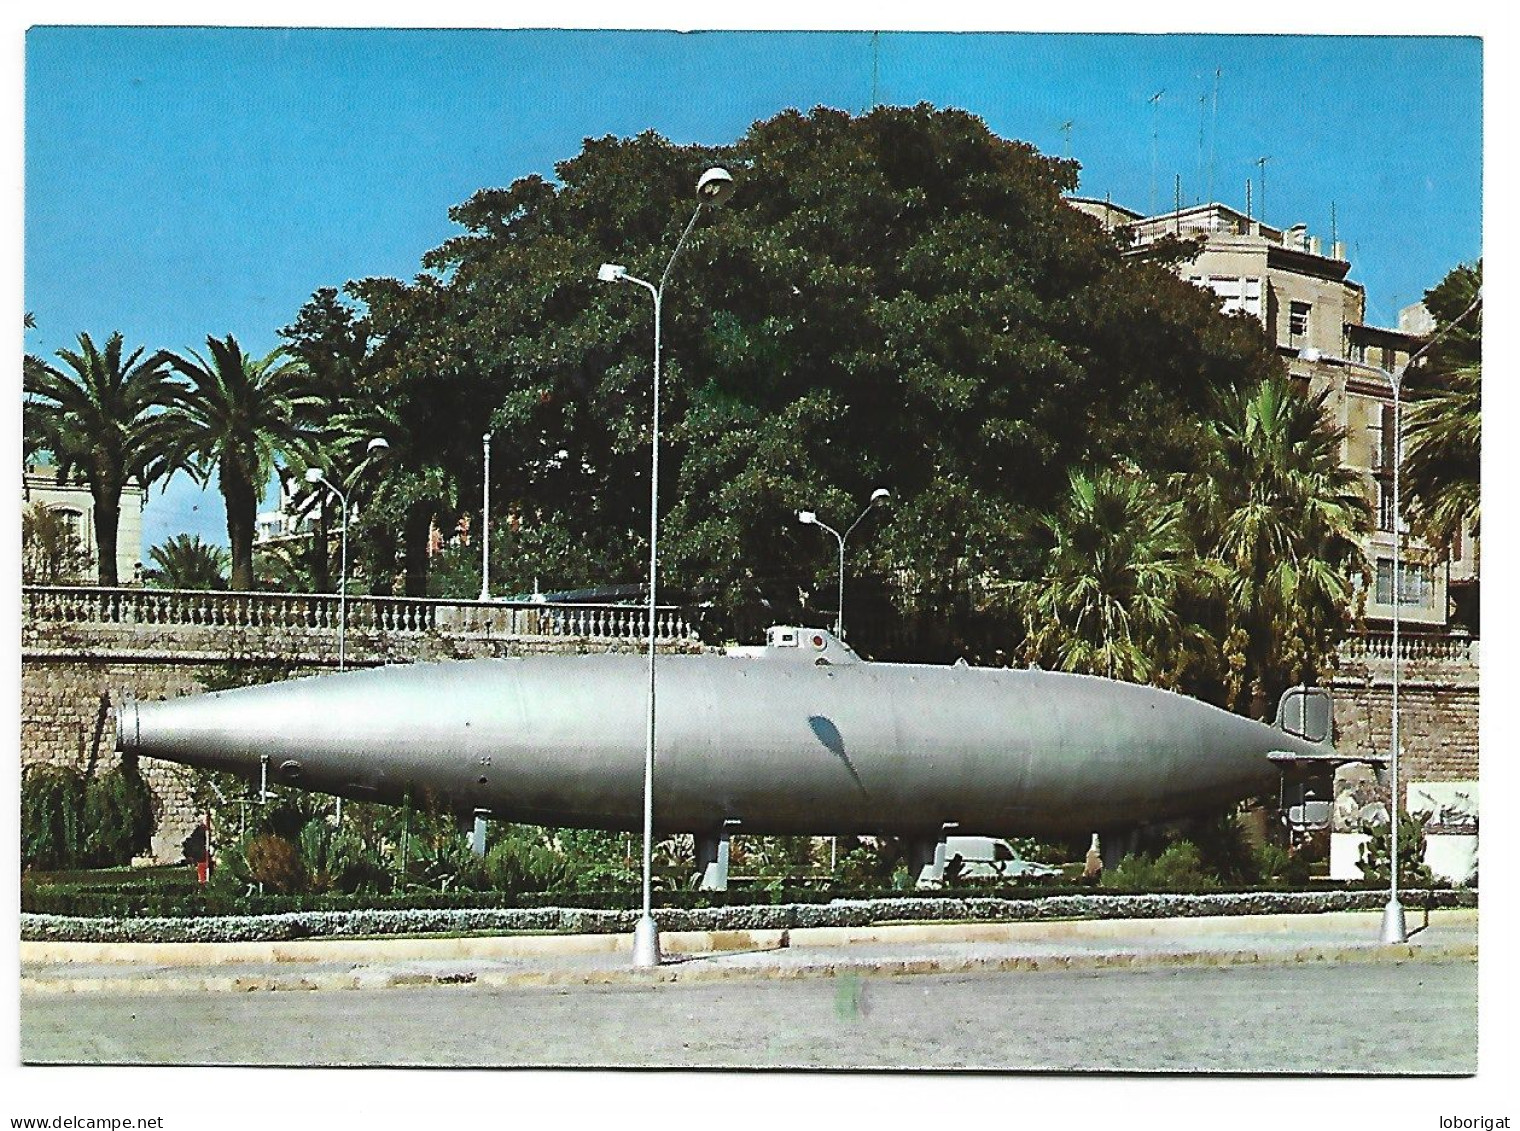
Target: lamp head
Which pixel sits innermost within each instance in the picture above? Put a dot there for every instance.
(313, 475)
(377, 445)
(1310, 354)
(611, 272)
(714, 186)
(879, 494)
(807, 518)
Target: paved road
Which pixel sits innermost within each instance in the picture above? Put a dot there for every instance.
(1260, 1018)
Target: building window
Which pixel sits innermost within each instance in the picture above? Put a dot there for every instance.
(1415, 588)
(1236, 295)
(1383, 433)
(1298, 319)
(73, 522)
(1385, 504)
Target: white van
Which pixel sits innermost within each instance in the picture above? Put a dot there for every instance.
(987, 858)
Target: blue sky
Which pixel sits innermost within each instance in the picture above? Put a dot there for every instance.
(182, 182)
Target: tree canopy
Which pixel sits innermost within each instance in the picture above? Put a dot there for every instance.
(898, 299)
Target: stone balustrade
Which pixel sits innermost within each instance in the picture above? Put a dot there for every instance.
(367, 616)
(1412, 646)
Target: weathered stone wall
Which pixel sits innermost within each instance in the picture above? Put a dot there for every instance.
(74, 676)
(1438, 713)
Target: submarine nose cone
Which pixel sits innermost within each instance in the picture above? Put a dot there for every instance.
(127, 731)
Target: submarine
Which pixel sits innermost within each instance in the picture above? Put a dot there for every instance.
(798, 736)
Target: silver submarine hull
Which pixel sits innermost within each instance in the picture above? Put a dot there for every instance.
(798, 737)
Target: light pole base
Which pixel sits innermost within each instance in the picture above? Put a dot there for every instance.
(1393, 923)
(646, 943)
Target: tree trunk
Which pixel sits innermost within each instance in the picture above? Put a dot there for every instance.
(107, 526)
(242, 511)
(321, 558)
(415, 532)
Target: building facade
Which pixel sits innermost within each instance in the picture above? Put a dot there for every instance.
(72, 502)
(1299, 289)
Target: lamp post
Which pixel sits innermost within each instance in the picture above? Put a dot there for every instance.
(809, 518)
(314, 476)
(1393, 928)
(713, 187)
(485, 525)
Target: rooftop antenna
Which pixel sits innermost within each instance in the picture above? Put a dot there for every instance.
(1248, 199)
(1066, 143)
(1177, 205)
(1333, 236)
(1214, 134)
(1203, 104)
(875, 69)
(1155, 101)
(1261, 195)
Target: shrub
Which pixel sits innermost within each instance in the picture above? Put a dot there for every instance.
(53, 827)
(71, 820)
(275, 863)
(1276, 864)
(520, 862)
(1178, 867)
(1373, 859)
(118, 813)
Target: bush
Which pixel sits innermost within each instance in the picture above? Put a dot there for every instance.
(275, 863)
(118, 814)
(1373, 859)
(1178, 867)
(520, 862)
(53, 828)
(71, 820)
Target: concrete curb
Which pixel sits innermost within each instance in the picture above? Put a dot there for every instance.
(679, 972)
(748, 949)
(382, 949)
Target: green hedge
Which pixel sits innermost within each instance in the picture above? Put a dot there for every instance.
(103, 899)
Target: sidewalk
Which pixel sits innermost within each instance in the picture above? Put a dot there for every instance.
(539, 960)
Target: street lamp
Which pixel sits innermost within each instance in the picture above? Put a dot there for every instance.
(485, 525)
(713, 187)
(314, 476)
(809, 518)
(1393, 930)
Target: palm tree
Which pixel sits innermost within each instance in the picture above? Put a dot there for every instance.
(410, 483)
(185, 562)
(1282, 519)
(100, 418)
(1443, 425)
(237, 416)
(1106, 603)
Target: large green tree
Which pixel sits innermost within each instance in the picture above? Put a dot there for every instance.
(100, 417)
(900, 299)
(1443, 423)
(238, 414)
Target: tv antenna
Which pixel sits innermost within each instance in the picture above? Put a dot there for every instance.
(1155, 101)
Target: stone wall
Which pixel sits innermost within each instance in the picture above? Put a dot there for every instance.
(1438, 712)
(1438, 739)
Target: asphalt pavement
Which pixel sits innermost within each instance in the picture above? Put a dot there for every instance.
(1263, 994)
